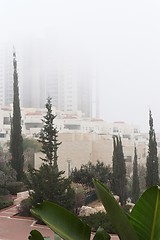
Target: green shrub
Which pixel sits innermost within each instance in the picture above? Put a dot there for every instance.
(15, 187)
(99, 219)
(3, 191)
(5, 201)
(24, 208)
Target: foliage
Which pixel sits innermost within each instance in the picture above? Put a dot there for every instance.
(79, 196)
(142, 224)
(48, 184)
(7, 178)
(142, 177)
(35, 235)
(30, 143)
(24, 207)
(8, 171)
(90, 197)
(152, 177)
(89, 171)
(48, 137)
(16, 140)
(99, 219)
(5, 201)
(119, 180)
(15, 187)
(135, 183)
(30, 146)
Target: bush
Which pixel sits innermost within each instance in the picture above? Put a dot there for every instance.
(24, 208)
(99, 219)
(3, 191)
(5, 201)
(15, 187)
(91, 197)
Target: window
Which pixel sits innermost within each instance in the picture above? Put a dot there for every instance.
(128, 159)
(126, 136)
(2, 135)
(115, 130)
(6, 121)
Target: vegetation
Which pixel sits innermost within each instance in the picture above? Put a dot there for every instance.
(30, 146)
(7, 177)
(49, 137)
(135, 181)
(24, 207)
(99, 219)
(5, 201)
(79, 196)
(152, 177)
(48, 183)
(89, 171)
(16, 141)
(142, 177)
(139, 226)
(119, 180)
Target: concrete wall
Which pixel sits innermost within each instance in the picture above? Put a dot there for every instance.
(78, 148)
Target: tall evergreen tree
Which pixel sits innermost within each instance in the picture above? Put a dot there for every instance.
(135, 180)
(152, 177)
(16, 140)
(119, 180)
(48, 183)
(49, 137)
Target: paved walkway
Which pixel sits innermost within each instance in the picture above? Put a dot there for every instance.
(12, 228)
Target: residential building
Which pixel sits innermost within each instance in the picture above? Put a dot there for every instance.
(83, 139)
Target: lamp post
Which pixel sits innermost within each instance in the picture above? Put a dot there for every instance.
(69, 167)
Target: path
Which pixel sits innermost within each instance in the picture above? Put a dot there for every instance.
(12, 228)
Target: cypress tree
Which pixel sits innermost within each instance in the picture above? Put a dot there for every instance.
(48, 182)
(135, 180)
(49, 137)
(152, 177)
(16, 140)
(119, 180)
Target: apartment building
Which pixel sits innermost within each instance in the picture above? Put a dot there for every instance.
(83, 139)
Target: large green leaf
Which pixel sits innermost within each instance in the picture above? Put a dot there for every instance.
(116, 214)
(145, 216)
(35, 235)
(56, 237)
(101, 234)
(61, 221)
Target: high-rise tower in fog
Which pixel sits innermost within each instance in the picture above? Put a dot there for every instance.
(64, 77)
(6, 75)
(33, 75)
(71, 87)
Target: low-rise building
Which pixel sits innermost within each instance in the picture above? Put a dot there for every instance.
(83, 139)
(80, 148)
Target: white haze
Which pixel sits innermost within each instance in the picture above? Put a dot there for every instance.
(119, 39)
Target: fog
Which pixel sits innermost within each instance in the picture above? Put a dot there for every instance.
(119, 41)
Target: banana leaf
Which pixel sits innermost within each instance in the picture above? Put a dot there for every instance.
(61, 221)
(35, 235)
(116, 214)
(56, 237)
(145, 216)
(101, 234)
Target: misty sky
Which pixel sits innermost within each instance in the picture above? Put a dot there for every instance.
(121, 39)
